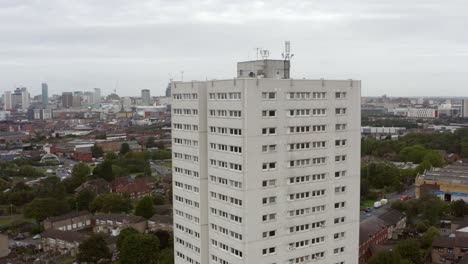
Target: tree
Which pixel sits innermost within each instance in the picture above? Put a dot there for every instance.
(94, 250)
(434, 158)
(41, 208)
(428, 237)
(158, 199)
(29, 171)
(145, 207)
(165, 238)
(166, 256)
(97, 151)
(126, 232)
(111, 156)
(84, 199)
(409, 249)
(423, 226)
(386, 257)
(124, 148)
(140, 248)
(111, 203)
(150, 142)
(459, 208)
(104, 171)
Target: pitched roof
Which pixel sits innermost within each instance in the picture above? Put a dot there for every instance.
(69, 236)
(123, 218)
(450, 242)
(391, 217)
(66, 216)
(369, 228)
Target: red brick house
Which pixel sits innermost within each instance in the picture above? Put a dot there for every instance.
(83, 154)
(134, 188)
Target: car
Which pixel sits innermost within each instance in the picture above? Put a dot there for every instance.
(36, 237)
(404, 197)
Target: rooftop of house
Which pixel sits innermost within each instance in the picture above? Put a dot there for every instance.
(374, 224)
(121, 218)
(164, 219)
(68, 236)
(450, 242)
(73, 214)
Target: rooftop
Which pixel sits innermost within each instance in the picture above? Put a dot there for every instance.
(122, 218)
(452, 174)
(450, 242)
(69, 236)
(67, 216)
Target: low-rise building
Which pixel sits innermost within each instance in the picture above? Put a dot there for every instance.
(114, 223)
(449, 249)
(160, 222)
(134, 188)
(449, 183)
(72, 221)
(61, 242)
(98, 186)
(376, 230)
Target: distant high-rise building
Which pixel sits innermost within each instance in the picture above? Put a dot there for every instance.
(76, 101)
(25, 101)
(266, 169)
(97, 95)
(67, 99)
(146, 97)
(7, 105)
(465, 108)
(168, 90)
(45, 95)
(88, 98)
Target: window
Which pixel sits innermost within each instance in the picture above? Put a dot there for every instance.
(339, 220)
(319, 112)
(269, 200)
(298, 95)
(268, 234)
(268, 95)
(339, 205)
(268, 251)
(340, 111)
(269, 166)
(268, 183)
(340, 95)
(319, 95)
(340, 189)
(338, 250)
(340, 158)
(340, 142)
(339, 174)
(319, 128)
(340, 127)
(268, 217)
(339, 235)
(234, 96)
(268, 148)
(269, 131)
(269, 113)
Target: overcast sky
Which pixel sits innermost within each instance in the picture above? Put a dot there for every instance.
(397, 47)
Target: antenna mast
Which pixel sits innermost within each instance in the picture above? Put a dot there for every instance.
(287, 51)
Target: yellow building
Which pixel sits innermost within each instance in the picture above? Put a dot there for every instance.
(449, 183)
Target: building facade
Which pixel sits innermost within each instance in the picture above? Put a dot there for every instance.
(266, 170)
(449, 183)
(146, 97)
(45, 95)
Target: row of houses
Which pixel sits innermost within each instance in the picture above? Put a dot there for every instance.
(63, 234)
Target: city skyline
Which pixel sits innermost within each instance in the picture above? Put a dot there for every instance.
(402, 49)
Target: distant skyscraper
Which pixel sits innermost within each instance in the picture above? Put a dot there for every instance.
(168, 90)
(67, 99)
(7, 100)
(45, 95)
(24, 99)
(146, 97)
(465, 108)
(97, 95)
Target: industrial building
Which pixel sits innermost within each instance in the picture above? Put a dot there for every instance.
(449, 183)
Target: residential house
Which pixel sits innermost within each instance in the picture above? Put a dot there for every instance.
(61, 242)
(114, 223)
(160, 222)
(449, 249)
(69, 222)
(134, 188)
(98, 186)
(376, 230)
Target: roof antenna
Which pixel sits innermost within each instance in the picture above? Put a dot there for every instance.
(287, 51)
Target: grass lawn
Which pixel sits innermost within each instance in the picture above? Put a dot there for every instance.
(367, 203)
(6, 221)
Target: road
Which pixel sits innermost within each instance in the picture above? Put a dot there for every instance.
(391, 198)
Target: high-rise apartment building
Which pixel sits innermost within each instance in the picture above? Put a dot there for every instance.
(7, 104)
(266, 168)
(45, 95)
(25, 100)
(146, 97)
(67, 99)
(97, 96)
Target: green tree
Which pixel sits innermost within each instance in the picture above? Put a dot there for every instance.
(124, 148)
(94, 250)
(126, 232)
(84, 199)
(423, 226)
(150, 142)
(41, 208)
(158, 199)
(386, 257)
(409, 249)
(104, 171)
(29, 171)
(428, 237)
(434, 158)
(97, 151)
(166, 256)
(111, 156)
(111, 203)
(140, 248)
(459, 208)
(145, 207)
